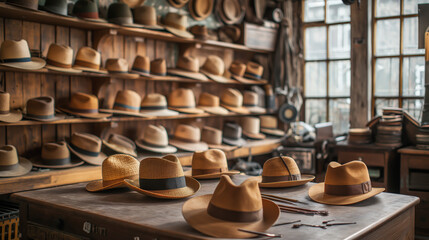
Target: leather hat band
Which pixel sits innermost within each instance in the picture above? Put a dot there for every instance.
(269, 179)
(185, 139)
(83, 151)
(196, 172)
(86, 64)
(347, 190)
(40, 116)
(162, 183)
(153, 107)
(8, 167)
(152, 144)
(234, 216)
(140, 70)
(4, 112)
(15, 60)
(125, 106)
(252, 75)
(55, 162)
(57, 64)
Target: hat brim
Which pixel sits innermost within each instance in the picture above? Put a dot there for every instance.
(89, 159)
(34, 64)
(86, 69)
(273, 132)
(241, 110)
(11, 117)
(124, 75)
(159, 113)
(179, 33)
(216, 78)
(53, 11)
(192, 186)
(94, 19)
(211, 175)
(150, 27)
(122, 112)
(119, 149)
(66, 70)
(187, 110)
(245, 80)
(197, 16)
(24, 166)
(37, 162)
(256, 109)
(187, 74)
(222, 147)
(188, 146)
(97, 186)
(257, 136)
(226, 19)
(195, 213)
(21, 6)
(317, 193)
(214, 110)
(283, 184)
(235, 142)
(86, 115)
(55, 118)
(166, 149)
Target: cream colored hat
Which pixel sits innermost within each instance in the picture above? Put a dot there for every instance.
(177, 25)
(16, 54)
(7, 115)
(214, 68)
(251, 128)
(210, 104)
(251, 101)
(213, 137)
(118, 67)
(232, 100)
(155, 139)
(127, 102)
(88, 60)
(12, 165)
(117, 143)
(183, 100)
(188, 138)
(87, 147)
(188, 67)
(269, 126)
(209, 164)
(155, 104)
(60, 58)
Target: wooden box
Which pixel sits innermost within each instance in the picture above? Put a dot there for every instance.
(258, 37)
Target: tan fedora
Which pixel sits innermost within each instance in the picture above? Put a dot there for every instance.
(60, 58)
(84, 105)
(42, 109)
(230, 11)
(155, 104)
(188, 138)
(237, 70)
(163, 178)
(183, 100)
(12, 165)
(251, 128)
(251, 102)
(344, 184)
(177, 24)
(269, 126)
(214, 68)
(230, 208)
(146, 17)
(155, 139)
(118, 67)
(141, 65)
(56, 156)
(88, 60)
(200, 32)
(178, 3)
(16, 54)
(200, 9)
(254, 71)
(282, 172)
(210, 104)
(114, 170)
(158, 68)
(209, 164)
(87, 147)
(27, 4)
(7, 115)
(188, 67)
(119, 144)
(213, 137)
(127, 102)
(232, 100)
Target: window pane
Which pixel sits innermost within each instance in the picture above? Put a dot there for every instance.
(339, 78)
(410, 36)
(315, 43)
(382, 103)
(387, 77)
(388, 8)
(339, 41)
(315, 79)
(387, 37)
(339, 113)
(410, 6)
(413, 79)
(337, 11)
(315, 111)
(314, 10)
(414, 107)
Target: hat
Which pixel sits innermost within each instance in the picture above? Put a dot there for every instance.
(87, 147)
(213, 68)
(163, 178)
(188, 138)
(127, 102)
(133, 3)
(177, 24)
(55, 6)
(237, 70)
(251, 127)
(269, 126)
(60, 58)
(118, 67)
(200, 9)
(87, 9)
(158, 67)
(233, 101)
(199, 32)
(232, 133)
(213, 137)
(254, 71)
(155, 139)
(183, 100)
(155, 104)
(12, 165)
(229, 208)
(251, 102)
(146, 17)
(209, 164)
(42, 109)
(56, 156)
(230, 11)
(120, 13)
(282, 172)
(344, 184)
(6, 115)
(120, 144)
(141, 65)
(88, 60)
(188, 67)
(84, 105)
(28, 4)
(231, 32)
(210, 104)
(16, 54)
(178, 3)
(114, 170)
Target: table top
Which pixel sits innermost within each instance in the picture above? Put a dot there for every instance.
(131, 207)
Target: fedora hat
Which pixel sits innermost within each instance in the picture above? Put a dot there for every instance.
(178, 3)
(42, 109)
(141, 65)
(55, 6)
(163, 178)
(88, 60)
(209, 164)
(87, 9)
(127, 102)
(251, 128)
(155, 139)
(282, 172)
(188, 67)
(254, 71)
(84, 105)
(229, 208)
(60, 58)
(146, 17)
(183, 100)
(16, 54)
(232, 100)
(200, 9)
(232, 134)
(214, 68)
(114, 170)
(87, 147)
(117, 143)
(12, 165)
(177, 24)
(200, 32)
(7, 115)
(344, 184)
(155, 104)
(56, 156)
(28, 4)
(230, 11)
(120, 13)
(158, 68)
(269, 126)
(237, 70)
(213, 137)
(210, 104)
(188, 138)
(251, 102)
(118, 67)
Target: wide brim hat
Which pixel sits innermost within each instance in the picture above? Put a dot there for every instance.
(189, 146)
(257, 136)
(125, 75)
(119, 149)
(214, 110)
(256, 109)
(245, 80)
(38, 162)
(187, 110)
(24, 166)
(98, 160)
(223, 147)
(195, 213)
(85, 115)
(159, 113)
(179, 33)
(55, 118)
(211, 175)
(282, 184)
(166, 149)
(241, 110)
(122, 112)
(225, 16)
(92, 70)
(11, 117)
(60, 69)
(273, 132)
(234, 142)
(30, 6)
(204, 13)
(57, 11)
(217, 78)
(187, 74)
(97, 185)
(34, 64)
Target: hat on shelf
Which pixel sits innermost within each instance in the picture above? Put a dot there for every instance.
(146, 17)
(55, 6)
(88, 10)
(200, 32)
(230, 11)
(163, 178)
(269, 126)
(344, 184)
(251, 128)
(119, 144)
(7, 115)
(133, 3)
(178, 3)
(232, 100)
(213, 137)
(359, 136)
(210, 104)
(188, 138)
(200, 9)
(141, 65)
(56, 155)
(251, 102)
(120, 13)
(229, 208)
(177, 25)
(183, 100)
(155, 104)
(27, 4)
(16, 54)
(232, 134)
(12, 165)
(214, 68)
(188, 67)
(209, 164)
(88, 60)
(230, 33)
(87, 147)
(60, 58)
(155, 139)
(42, 109)
(254, 71)
(84, 105)
(237, 70)
(114, 170)
(158, 68)
(127, 102)
(118, 67)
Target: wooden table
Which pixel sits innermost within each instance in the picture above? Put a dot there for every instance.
(63, 212)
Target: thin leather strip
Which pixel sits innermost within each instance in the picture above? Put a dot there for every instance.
(15, 60)
(234, 216)
(153, 107)
(182, 106)
(56, 162)
(159, 74)
(113, 71)
(40, 116)
(140, 70)
(196, 172)
(252, 75)
(227, 104)
(86, 64)
(270, 179)
(83, 151)
(125, 106)
(8, 167)
(57, 64)
(175, 25)
(152, 145)
(348, 190)
(163, 183)
(93, 15)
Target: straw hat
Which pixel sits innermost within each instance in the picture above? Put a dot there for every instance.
(87, 147)
(84, 105)
(155, 139)
(60, 58)
(209, 164)
(117, 143)
(183, 100)
(251, 102)
(16, 54)
(282, 172)
(233, 101)
(141, 65)
(27, 4)
(232, 133)
(7, 115)
(42, 109)
(188, 138)
(188, 67)
(56, 156)
(177, 24)
(158, 67)
(55, 6)
(146, 17)
(344, 184)
(200, 32)
(118, 67)
(210, 104)
(163, 178)
(127, 102)
(251, 127)
(155, 104)
(12, 165)
(269, 126)
(254, 71)
(178, 3)
(213, 68)
(230, 11)
(237, 70)
(120, 13)
(114, 170)
(200, 9)
(88, 10)
(229, 208)
(213, 137)
(88, 60)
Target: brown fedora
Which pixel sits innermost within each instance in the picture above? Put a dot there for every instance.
(60, 58)
(344, 184)
(16, 54)
(213, 137)
(141, 65)
(251, 102)
(183, 100)
(56, 156)
(88, 60)
(188, 138)
(232, 100)
(214, 68)
(118, 67)
(177, 24)
(155, 139)
(237, 70)
(119, 144)
(12, 165)
(251, 128)
(232, 134)
(254, 71)
(200, 32)
(163, 178)
(158, 68)
(230, 208)
(120, 13)
(84, 105)
(200, 9)
(155, 104)
(146, 17)
(127, 102)
(210, 104)
(209, 164)
(188, 67)
(178, 3)
(230, 11)
(42, 109)
(114, 170)
(269, 126)
(27, 4)
(7, 115)
(87, 147)
(133, 3)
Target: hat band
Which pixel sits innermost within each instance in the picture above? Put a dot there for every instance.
(114, 71)
(57, 64)
(163, 183)
(140, 70)
(175, 25)
(84, 110)
(208, 171)
(153, 107)
(126, 106)
(269, 179)
(87, 15)
(153, 145)
(83, 151)
(159, 74)
(8, 167)
(234, 216)
(252, 75)
(86, 64)
(4, 112)
(231, 137)
(40, 116)
(185, 139)
(57, 161)
(183, 106)
(15, 60)
(347, 190)
(250, 105)
(235, 75)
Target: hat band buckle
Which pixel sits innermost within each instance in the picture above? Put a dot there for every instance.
(234, 216)
(347, 190)
(162, 183)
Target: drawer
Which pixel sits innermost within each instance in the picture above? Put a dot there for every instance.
(422, 216)
(370, 158)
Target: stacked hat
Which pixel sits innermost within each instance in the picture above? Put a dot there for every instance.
(214, 68)
(155, 104)
(60, 58)
(188, 67)
(251, 102)
(232, 100)
(188, 138)
(200, 9)
(16, 54)
(359, 136)
(42, 109)
(7, 115)
(209, 164)
(155, 139)
(210, 104)
(389, 128)
(84, 105)
(56, 156)
(422, 138)
(117, 143)
(12, 165)
(213, 137)
(118, 67)
(251, 128)
(87, 9)
(177, 25)
(269, 126)
(183, 100)
(127, 102)
(87, 147)
(145, 16)
(88, 60)
(232, 134)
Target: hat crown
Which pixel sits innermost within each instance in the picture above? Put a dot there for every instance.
(188, 63)
(158, 168)
(60, 54)
(11, 49)
(250, 124)
(121, 141)
(268, 121)
(232, 130)
(182, 97)
(85, 6)
(156, 135)
(119, 10)
(199, 30)
(127, 100)
(117, 65)
(210, 159)
(89, 56)
(274, 167)
(53, 151)
(145, 15)
(176, 20)
(250, 98)
(211, 135)
(41, 106)
(154, 99)
(158, 66)
(119, 166)
(232, 97)
(254, 70)
(142, 62)
(4, 102)
(207, 99)
(214, 65)
(83, 101)
(8, 155)
(32, 4)
(351, 173)
(86, 142)
(237, 68)
(187, 132)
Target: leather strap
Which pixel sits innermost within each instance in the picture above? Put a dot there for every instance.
(40, 116)
(14, 60)
(227, 104)
(125, 106)
(86, 64)
(159, 74)
(55, 162)
(8, 167)
(57, 64)
(234, 216)
(185, 139)
(162, 183)
(140, 70)
(252, 75)
(196, 172)
(83, 151)
(270, 179)
(153, 107)
(347, 190)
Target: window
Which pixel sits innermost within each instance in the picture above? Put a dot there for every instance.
(327, 63)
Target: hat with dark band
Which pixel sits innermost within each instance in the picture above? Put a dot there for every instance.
(84, 105)
(56, 156)
(127, 102)
(41, 109)
(183, 100)
(118, 67)
(88, 10)
(155, 104)
(232, 100)
(60, 58)
(232, 134)
(188, 138)
(209, 164)
(88, 60)
(213, 137)
(12, 165)
(119, 144)
(16, 54)
(87, 147)
(155, 139)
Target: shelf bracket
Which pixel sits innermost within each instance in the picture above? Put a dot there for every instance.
(101, 35)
